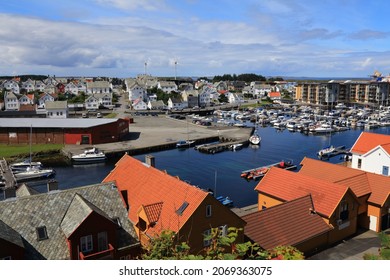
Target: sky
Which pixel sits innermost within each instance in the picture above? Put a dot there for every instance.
(194, 38)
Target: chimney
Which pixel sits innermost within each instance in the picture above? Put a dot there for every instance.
(9, 192)
(150, 160)
(52, 185)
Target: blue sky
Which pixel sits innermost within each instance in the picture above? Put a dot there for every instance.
(328, 38)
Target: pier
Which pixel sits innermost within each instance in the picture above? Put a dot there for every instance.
(7, 177)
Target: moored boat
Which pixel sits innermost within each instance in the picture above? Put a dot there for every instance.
(34, 173)
(89, 155)
(23, 165)
(185, 143)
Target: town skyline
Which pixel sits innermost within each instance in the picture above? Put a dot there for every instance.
(117, 38)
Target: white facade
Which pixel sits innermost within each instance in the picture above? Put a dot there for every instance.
(167, 87)
(56, 109)
(139, 104)
(11, 102)
(375, 161)
(28, 85)
(12, 86)
(92, 103)
(72, 88)
(137, 92)
(42, 100)
(26, 100)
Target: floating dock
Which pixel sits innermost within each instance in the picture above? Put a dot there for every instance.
(218, 147)
(259, 172)
(7, 178)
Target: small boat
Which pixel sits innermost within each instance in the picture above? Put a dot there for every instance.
(34, 173)
(225, 201)
(185, 143)
(23, 165)
(235, 147)
(89, 155)
(330, 151)
(255, 138)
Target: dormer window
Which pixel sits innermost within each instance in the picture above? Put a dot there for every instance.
(208, 210)
(41, 233)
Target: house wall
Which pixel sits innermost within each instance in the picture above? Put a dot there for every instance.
(92, 226)
(10, 250)
(266, 201)
(347, 228)
(373, 162)
(193, 230)
(313, 245)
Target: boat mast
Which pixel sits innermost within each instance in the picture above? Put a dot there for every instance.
(30, 144)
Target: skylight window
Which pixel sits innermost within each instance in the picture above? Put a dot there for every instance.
(182, 208)
(42, 233)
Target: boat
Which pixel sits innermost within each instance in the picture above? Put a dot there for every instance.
(225, 201)
(34, 173)
(23, 165)
(89, 155)
(235, 147)
(185, 143)
(259, 172)
(255, 138)
(331, 151)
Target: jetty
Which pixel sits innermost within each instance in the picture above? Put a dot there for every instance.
(219, 147)
(7, 178)
(259, 172)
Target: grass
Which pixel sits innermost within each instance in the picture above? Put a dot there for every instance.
(9, 151)
(111, 116)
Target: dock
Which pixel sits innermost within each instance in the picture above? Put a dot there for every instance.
(219, 147)
(259, 172)
(7, 177)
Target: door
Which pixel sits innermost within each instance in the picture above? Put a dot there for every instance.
(373, 221)
(85, 139)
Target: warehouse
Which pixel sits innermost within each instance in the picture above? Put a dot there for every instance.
(62, 131)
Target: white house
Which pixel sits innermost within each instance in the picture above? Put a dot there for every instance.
(72, 88)
(167, 86)
(191, 97)
(40, 85)
(176, 104)
(156, 105)
(92, 103)
(43, 98)
(139, 104)
(105, 99)
(11, 102)
(11, 85)
(204, 98)
(99, 87)
(28, 85)
(234, 98)
(26, 99)
(136, 91)
(56, 109)
(371, 153)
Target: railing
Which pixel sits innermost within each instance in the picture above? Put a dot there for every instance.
(106, 254)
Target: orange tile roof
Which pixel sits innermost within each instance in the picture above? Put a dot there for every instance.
(153, 211)
(274, 94)
(368, 140)
(287, 185)
(148, 186)
(336, 173)
(283, 224)
(360, 182)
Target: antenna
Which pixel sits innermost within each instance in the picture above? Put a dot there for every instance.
(146, 65)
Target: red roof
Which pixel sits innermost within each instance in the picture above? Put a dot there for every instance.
(353, 178)
(160, 194)
(287, 185)
(360, 182)
(368, 141)
(282, 224)
(274, 94)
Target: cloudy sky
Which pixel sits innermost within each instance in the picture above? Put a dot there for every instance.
(327, 38)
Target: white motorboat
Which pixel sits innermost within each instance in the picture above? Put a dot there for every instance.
(235, 147)
(89, 155)
(326, 151)
(184, 143)
(34, 173)
(255, 138)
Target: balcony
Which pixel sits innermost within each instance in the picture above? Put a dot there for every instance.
(102, 255)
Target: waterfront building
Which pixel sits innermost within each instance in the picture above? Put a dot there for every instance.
(298, 225)
(158, 201)
(57, 109)
(372, 191)
(336, 203)
(371, 153)
(85, 223)
(62, 131)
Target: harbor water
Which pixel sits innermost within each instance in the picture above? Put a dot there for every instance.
(221, 172)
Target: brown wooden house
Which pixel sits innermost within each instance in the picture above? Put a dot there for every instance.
(158, 201)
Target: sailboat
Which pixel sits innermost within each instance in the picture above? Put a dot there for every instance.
(255, 138)
(32, 170)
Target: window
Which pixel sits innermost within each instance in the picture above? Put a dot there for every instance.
(344, 211)
(385, 170)
(102, 241)
(42, 233)
(223, 230)
(359, 163)
(206, 238)
(208, 210)
(86, 244)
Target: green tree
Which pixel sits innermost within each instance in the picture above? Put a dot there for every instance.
(222, 247)
(222, 98)
(384, 251)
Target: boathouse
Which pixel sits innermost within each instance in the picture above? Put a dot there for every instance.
(62, 131)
